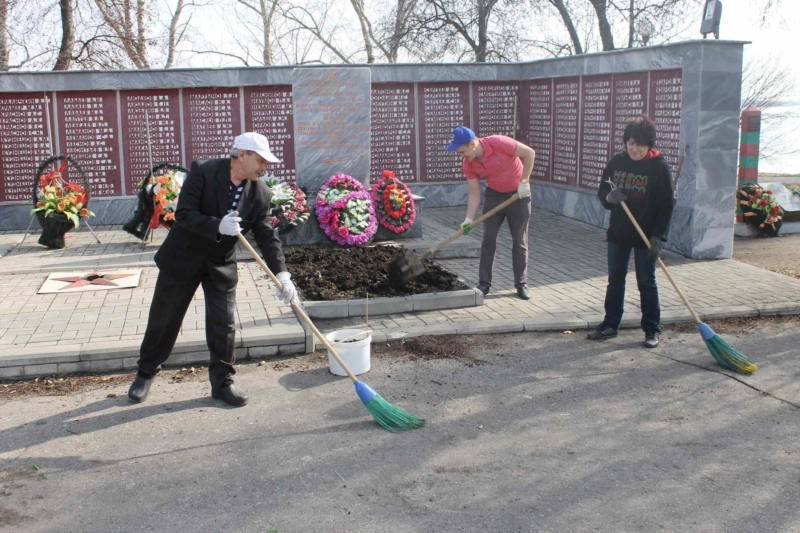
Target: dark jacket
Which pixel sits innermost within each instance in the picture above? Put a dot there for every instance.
(648, 186)
(194, 240)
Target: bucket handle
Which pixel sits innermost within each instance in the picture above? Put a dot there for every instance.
(354, 335)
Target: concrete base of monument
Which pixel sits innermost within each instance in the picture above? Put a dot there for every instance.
(391, 306)
(746, 230)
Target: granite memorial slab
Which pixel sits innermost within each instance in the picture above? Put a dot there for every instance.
(331, 124)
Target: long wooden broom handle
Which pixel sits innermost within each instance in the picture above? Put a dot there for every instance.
(297, 309)
(660, 262)
(474, 223)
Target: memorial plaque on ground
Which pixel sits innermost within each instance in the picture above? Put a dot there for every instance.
(394, 131)
(565, 131)
(494, 106)
(211, 120)
(161, 108)
(331, 124)
(24, 143)
(536, 124)
(665, 110)
(442, 108)
(595, 129)
(630, 102)
(89, 132)
(268, 111)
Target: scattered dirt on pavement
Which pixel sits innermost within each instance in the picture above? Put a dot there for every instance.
(736, 325)
(63, 385)
(351, 273)
(426, 348)
(779, 254)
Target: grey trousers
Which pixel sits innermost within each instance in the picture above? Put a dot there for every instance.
(518, 215)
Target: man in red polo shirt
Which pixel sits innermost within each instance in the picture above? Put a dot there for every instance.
(506, 166)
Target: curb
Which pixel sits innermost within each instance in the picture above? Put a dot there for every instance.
(280, 340)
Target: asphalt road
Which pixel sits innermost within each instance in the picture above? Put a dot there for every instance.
(530, 432)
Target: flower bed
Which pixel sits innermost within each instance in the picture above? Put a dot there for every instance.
(345, 211)
(760, 209)
(394, 204)
(352, 273)
(288, 206)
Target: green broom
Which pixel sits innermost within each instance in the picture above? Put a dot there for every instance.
(726, 355)
(387, 415)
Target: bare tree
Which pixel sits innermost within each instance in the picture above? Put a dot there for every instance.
(265, 9)
(4, 51)
(566, 17)
(767, 83)
(64, 59)
(601, 8)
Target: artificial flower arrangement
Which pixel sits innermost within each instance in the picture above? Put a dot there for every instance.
(165, 188)
(394, 204)
(760, 209)
(345, 211)
(56, 196)
(288, 206)
(143, 219)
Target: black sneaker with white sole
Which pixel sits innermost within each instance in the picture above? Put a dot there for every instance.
(601, 333)
(651, 339)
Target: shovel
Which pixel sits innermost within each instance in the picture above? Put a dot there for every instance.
(408, 267)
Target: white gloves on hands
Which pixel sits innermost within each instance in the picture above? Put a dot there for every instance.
(524, 190)
(229, 225)
(465, 226)
(289, 292)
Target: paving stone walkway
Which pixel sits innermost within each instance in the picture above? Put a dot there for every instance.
(567, 277)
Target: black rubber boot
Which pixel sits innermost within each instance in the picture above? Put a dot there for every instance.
(140, 388)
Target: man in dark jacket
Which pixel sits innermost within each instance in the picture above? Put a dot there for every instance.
(201, 250)
(642, 178)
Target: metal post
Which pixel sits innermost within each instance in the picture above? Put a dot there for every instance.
(748, 150)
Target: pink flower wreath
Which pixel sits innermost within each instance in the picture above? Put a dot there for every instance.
(394, 204)
(345, 211)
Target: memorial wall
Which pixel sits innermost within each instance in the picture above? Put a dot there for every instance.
(572, 111)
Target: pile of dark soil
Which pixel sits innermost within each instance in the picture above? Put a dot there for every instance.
(349, 273)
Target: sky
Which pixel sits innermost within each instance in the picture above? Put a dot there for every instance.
(779, 41)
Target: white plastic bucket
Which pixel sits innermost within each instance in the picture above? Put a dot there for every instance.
(354, 353)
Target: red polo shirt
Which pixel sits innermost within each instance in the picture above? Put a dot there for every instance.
(501, 169)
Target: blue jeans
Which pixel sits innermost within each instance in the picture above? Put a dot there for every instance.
(618, 257)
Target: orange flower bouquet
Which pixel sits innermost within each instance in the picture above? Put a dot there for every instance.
(57, 196)
(165, 189)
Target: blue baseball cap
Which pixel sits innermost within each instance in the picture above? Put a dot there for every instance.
(461, 135)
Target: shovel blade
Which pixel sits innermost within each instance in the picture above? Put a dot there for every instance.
(406, 268)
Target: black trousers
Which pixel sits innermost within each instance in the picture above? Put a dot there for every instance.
(171, 300)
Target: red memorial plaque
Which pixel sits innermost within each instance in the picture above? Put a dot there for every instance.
(211, 120)
(393, 146)
(88, 131)
(536, 124)
(493, 106)
(630, 102)
(595, 129)
(565, 130)
(268, 111)
(665, 110)
(161, 108)
(442, 108)
(24, 143)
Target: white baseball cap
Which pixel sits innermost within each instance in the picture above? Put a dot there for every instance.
(255, 142)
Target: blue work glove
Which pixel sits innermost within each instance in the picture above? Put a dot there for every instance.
(466, 226)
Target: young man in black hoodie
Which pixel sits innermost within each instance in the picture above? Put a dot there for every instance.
(641, 178)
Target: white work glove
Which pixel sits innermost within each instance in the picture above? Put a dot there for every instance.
(229, 225)
(289, 292)
(524, 190)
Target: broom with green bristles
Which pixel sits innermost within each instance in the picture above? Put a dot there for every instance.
(725, 354)
(387, 415)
